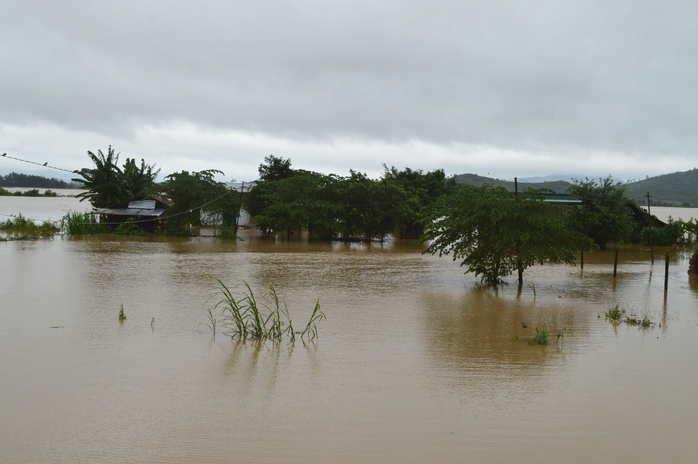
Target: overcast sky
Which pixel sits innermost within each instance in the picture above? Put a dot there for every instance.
(495, 88)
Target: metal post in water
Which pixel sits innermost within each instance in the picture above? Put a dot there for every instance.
(649, 220)
(581, 259)
(666, 271)
(615, 264)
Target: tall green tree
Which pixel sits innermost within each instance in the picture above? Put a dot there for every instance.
(105, 183)
(275, 168)
(372, 207)
(192, 194)
(139, 179)
(604, 215)
(495, 233)
(421, 189)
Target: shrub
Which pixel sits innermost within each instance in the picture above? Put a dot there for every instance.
(81, 224)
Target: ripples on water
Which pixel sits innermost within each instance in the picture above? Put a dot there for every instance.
(415, 362)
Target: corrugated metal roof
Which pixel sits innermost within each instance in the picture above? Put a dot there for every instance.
(143, 212)
(142, 204)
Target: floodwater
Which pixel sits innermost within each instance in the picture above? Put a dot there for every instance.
(415, 362)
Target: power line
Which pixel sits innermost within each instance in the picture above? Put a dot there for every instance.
(44, 165)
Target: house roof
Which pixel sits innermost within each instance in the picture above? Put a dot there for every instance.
(141, 208)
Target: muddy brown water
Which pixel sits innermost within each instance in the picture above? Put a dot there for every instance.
(415, 362)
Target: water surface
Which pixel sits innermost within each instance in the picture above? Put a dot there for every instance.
(415, 363)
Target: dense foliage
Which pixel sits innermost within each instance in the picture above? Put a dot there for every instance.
(107, 184)
(354, 207)
(492, 230)
(191, 194)
(674, 233)
(495, 233)
(604, 215)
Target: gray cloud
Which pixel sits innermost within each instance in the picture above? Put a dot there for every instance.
(574, 79)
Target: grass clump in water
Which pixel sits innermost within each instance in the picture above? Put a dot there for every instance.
(645, 322)
(122, 316)
(247, 317)
(81, 224)
(617, 316)
(540, 338)
(21, 228)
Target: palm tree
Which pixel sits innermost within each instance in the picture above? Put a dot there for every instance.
(105, 183)
(139, 179)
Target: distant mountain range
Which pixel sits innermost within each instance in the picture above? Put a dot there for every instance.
(676, 189)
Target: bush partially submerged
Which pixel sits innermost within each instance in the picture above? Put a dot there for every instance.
(540, 338)
(21, 228)
(81, 224)
(617, 316)
(129, 227)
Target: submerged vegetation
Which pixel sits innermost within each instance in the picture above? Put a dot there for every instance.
(81, 224)
(540, 338)
(21, 228)
(248, 317)
(129, 227)
(617, 316)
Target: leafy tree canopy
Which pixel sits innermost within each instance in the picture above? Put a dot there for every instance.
(192, 194)
(495, 233)
(107, 184)
(275, 168)
(604, 215)
(421, 189)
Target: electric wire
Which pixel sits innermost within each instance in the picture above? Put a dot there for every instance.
(44, 165)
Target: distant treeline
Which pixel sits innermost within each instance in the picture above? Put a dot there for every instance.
(15, 179)
(28, 193)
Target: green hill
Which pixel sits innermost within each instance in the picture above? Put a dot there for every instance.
(558, 186)
(676, 189)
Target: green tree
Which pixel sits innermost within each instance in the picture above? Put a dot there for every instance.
(421, 190)
(275, 168)
(192, 194)
(139, 180)
(258, 198)
(105, 182)
(495, 233)
(604, 215)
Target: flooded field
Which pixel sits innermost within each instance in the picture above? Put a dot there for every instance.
(415, 362)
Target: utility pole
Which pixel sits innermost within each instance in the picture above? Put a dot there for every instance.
(649, 219)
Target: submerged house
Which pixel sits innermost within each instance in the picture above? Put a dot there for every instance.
(145, 213)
